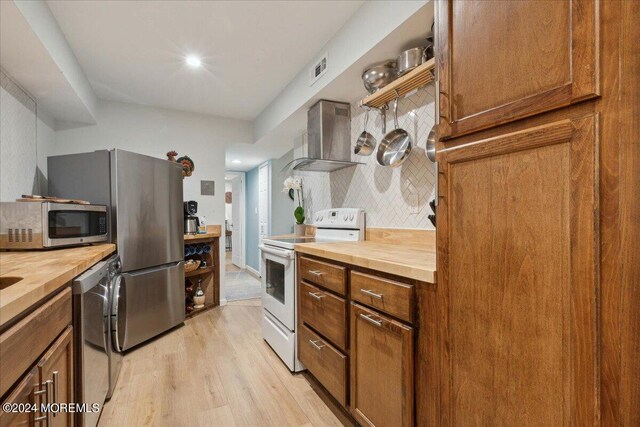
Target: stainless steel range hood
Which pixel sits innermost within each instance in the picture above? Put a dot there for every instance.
(329, 138)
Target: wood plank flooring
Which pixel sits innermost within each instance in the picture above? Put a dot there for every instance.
(214, 371)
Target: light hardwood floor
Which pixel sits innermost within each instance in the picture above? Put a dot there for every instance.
(214, 371)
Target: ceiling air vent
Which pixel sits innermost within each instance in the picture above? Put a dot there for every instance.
(318, 69)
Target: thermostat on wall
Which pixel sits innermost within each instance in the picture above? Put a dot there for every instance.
(207, 188)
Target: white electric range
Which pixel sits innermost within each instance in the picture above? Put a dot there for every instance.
(279, 277)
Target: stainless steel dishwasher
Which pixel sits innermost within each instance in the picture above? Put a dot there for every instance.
(97, 364)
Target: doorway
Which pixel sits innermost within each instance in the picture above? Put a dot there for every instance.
(239, 284)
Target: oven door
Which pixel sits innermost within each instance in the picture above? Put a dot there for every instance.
(67, 224)
(278, 284)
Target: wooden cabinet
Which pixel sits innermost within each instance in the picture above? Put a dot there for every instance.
(518, 277)
(22, 344)
(50, 382)
(26, 392)
(501, 61)
(361, 347)
(43, 339)
(56, 368)
(382, 372)
(538, 257)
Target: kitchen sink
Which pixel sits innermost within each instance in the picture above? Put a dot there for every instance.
(7, 281)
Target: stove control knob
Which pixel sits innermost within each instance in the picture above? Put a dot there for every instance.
(351, 217)
(345, 216)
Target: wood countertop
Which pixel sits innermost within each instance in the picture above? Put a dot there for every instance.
(411, 261)
(43, 272)
(212, 232)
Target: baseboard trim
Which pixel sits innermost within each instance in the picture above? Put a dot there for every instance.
(253, 272)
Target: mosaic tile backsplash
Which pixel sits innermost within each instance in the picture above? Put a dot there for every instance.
(391, 197)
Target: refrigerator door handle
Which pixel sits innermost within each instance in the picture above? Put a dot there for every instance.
(114, 313)
(153, 270)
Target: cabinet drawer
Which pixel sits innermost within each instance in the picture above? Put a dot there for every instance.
(23, 343)
(324, 312)
(332, 277)
(394, 298)
(326, 363)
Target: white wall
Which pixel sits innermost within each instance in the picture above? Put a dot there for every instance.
(372, 22)
(282, 207)
(46, 28)
(391, 198)
(154, 132)
(24, 141)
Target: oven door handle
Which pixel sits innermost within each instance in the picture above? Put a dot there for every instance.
(274, 251)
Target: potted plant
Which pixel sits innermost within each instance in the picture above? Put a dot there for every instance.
(295, 184)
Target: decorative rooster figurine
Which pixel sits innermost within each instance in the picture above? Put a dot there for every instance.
(187, 164)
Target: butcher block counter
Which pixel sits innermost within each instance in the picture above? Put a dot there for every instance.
(42, 273)
(416, 262)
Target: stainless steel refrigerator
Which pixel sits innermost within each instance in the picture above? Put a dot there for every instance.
(145, 199)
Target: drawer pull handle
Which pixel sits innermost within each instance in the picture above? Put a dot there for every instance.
(371, 293)
(371, 320)
(47, 392)
(316, 272)
(315, 344)
(55, 389)
(316, 295)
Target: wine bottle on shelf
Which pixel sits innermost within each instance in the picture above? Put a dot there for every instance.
(198, 297)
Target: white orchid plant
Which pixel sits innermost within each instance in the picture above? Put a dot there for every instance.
(295, 183)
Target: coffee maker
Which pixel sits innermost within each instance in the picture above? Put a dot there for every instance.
(191, 221)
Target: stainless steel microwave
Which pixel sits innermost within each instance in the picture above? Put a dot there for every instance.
(33, 225)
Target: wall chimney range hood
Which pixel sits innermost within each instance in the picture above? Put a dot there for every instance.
(328, 138)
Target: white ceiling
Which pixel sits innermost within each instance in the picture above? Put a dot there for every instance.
(133, 51)
(27, 60)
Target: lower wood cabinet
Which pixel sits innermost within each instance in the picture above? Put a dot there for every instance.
(381, 369)
(56, 369)
(44, 340)
(49, 382)
(362, 348)
(27, 392)
(326, 363)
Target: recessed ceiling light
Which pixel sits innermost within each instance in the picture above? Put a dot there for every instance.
(236, 161)
(193, 61)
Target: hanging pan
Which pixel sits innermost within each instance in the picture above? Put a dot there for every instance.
(366, 142)
(395, 147)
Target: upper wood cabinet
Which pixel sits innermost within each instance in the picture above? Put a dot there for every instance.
(518, 283)
(499, 61)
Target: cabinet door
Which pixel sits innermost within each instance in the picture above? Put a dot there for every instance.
(381, 369)
(23, 394)
(57, 366)
(517, 278)
(499, 61)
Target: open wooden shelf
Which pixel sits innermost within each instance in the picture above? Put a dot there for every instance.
(199, 271)
(420, 76)
(209, 276)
